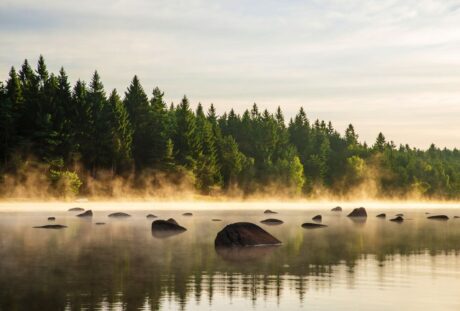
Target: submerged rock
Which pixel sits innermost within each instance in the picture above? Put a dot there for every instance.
(76, 209)
(456, 216)
(336, 209)
(397, 219)
(312, 225)
(438, 217)
(244, 234)
(358, 212)
(151, 216)
(272, 221)
(88, 213)
(166, 228)
(51, 227)
(51, 218)
(318, 218)
(187, 214)
(383, 215)
(119, 215)
(100, 223)
(216, 219)
(267, 211)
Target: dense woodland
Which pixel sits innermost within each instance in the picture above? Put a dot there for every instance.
(68, 137)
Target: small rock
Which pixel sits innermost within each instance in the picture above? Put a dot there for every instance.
(119, 215)
(216, 219)
(456, 216)
(397, 219)
(383, 215)
(166, 228)
(187, 214)
(358, 212)
(269, 212)
(244, 234)
(51, 227)
(272, 221)
(51, 218)
(312, 225)
(336, 209)
(151, 216)
(76, 209)
(399, 215)
(100, 223)
(438, 217)
(88, 213)
(318, 218)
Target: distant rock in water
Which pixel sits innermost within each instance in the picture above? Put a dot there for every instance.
(51, 218)
(336, 209)
(383, 215)
(166, 228)
(100, 223)
(171, 220)
(358, 212)
(151, 216)
(397, 219)
(272, 221)
(51, 227)
(456, 216)
(76, 209)
(216, 219)
(318, 218)
(119, 215)
(269, 212)
(400, 215)
(312, 225)
(187, 214)
(244, 234)
(88, 213)
(438, 217)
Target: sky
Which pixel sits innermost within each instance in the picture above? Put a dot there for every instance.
(385, 65)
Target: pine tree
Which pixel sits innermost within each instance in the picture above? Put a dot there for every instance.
(185, 141)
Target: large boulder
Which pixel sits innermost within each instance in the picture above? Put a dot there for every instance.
(358, 212)
(438, 217)
(336, 209)
(244, 234)
(119, 215)
(88, 213)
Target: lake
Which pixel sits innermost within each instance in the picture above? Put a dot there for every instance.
(350, 265)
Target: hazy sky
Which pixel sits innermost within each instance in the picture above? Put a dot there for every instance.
(383, 65)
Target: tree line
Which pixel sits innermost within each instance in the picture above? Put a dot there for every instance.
(77, 132)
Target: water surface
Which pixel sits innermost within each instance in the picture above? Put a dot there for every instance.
(370, 265)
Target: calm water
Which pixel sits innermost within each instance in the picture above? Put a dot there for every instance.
(371, 265)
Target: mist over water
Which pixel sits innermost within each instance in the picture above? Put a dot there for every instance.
(370, 265)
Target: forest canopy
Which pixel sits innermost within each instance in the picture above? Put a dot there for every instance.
(65, 141)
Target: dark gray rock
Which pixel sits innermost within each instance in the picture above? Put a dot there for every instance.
(312, 225)
(244, 234)
(216, 219)
(269, 212)
(119, 215)
(100, 223)
(88, 213)
(51, 218)
(166, 228)
(151, 216)
(358, 212)
(400, 215)
(336, 209)
(438, 217)
(397, 219)
(317, 218)
(171, 220)
(383, 215)
(76, 209)
(187, 214)
(272, 221)
(456, 217)
(51, 227)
